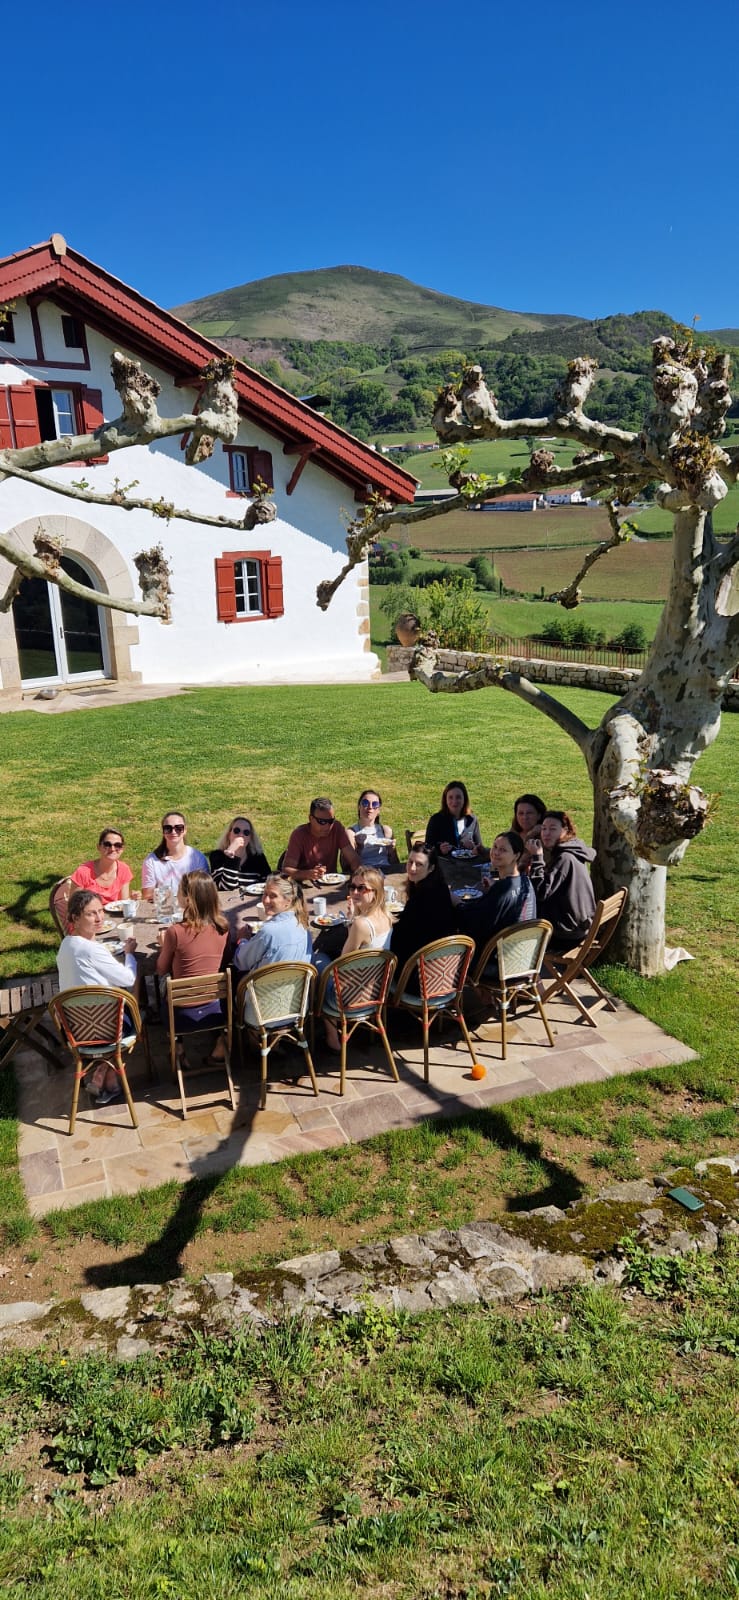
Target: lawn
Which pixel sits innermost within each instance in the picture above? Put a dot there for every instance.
(581, 1447)
(67, 774)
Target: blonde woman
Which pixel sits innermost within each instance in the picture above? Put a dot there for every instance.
(238, 855)
(370, 929)
(194, 947)
(285, 936)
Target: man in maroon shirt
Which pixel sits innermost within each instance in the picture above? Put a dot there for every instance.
(313, 848)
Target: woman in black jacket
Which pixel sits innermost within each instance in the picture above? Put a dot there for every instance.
(428, 913)
(564, 893)
(506, 898)
(238, 856)
(454, 826)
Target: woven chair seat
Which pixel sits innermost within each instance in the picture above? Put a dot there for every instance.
(127, 1043)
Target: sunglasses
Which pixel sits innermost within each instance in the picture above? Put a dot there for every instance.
(370, 805)
(244, 831)
(112, 844)
(173, 827)
(359, 888)
(324, 822)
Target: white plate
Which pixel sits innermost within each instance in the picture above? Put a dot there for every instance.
(252, 888)
(334, 877)
(116, 906)
(329, 922)
(464, 855)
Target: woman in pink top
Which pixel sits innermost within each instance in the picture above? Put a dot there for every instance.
(194, 948)
(108, 876)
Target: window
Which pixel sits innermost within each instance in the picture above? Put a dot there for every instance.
(30, 412)
(248, 586)
(7, 328)
(64, 412)
(72, 331)
(245, 466)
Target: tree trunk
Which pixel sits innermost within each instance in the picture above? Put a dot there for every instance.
(640, 938)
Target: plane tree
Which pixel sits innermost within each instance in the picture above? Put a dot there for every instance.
(640, 756)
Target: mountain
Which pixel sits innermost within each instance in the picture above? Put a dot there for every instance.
(356, 305)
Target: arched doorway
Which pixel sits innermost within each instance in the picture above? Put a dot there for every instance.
(60, 637)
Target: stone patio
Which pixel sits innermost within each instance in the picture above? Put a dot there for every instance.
(107, 1156)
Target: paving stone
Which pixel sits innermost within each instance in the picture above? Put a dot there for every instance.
(128, 1349)
(41, 1172)
(220, 1284)
(23, 1311)
(107, 1304)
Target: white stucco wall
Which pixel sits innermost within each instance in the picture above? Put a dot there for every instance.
(304, 644)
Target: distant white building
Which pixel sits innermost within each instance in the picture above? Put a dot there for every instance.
(243, 605)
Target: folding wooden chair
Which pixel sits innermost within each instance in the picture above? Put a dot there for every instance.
(358, 999)
(198, 992)
(278, 999)
(22, 1009)
(567, 965)
(92, 1021)
(520, 951)
(442, 969)
(414, 836)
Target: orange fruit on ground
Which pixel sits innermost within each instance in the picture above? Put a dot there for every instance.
(478, 1070)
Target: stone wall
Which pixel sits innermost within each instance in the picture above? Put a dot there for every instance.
(569, 674)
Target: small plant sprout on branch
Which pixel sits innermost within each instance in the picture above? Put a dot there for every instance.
(640, 757)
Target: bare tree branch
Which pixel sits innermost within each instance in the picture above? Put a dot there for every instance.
(468, 411)
(622, 533)
(493, 674)
(126, 502)
(28, 566)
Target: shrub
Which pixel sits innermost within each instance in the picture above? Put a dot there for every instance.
(484, 572)
(631, 638)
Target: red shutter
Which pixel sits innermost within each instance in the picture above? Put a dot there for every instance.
(274, 605)
(259, 465)
(225, 589)
(25, 415)
(92, 417)
(6, 437)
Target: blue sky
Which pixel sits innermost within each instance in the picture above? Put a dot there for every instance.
(579, 158)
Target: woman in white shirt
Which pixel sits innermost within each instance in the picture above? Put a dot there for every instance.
(372, 837)
(164, 867)
(82, 963)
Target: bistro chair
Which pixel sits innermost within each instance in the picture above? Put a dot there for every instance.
(201, 991)
(414, 836)
(58, 902)
(515, 976)
(567, 965)
(441, 969)
(99, 1024)
(358, 999)
(275, 1001)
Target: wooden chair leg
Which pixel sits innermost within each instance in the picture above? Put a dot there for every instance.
(264, 1053)
(79, 1073)
(426, 1026)
(342, 1077)
(387, 1049)
(303, 1042)
(177, 1072)
(463, 1025)
(544, 1017)
(504, 1026)
(120, 1068)
(229, 1079)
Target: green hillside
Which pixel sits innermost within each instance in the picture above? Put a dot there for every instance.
(354, 304)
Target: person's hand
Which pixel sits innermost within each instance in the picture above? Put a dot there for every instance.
(130, 945)
(318, 872)
(467, 841)
(236, 848)
(359, 842)
(487, 883)
(445, 849)
(536, 850)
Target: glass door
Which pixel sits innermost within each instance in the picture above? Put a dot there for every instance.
(60, 637)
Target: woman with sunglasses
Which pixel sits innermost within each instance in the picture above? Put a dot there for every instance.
(370, 928)
(165, 866)
(107, 876)
(373, 839)
(238, 856)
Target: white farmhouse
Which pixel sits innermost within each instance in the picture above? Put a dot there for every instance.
(243, 605)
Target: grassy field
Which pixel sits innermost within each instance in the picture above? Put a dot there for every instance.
(491, 455)
(579, 1447)
(522, 619)
(470, 531)
(637, 571)
(584, 1447)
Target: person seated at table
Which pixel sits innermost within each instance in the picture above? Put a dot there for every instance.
(193, 948)
(173, 856)
(428, 912)
(284, 936)
(529, 812)
(564, 893)
(238, 856)
(313, 848)
(454, 826)
(372, 837)
(108, 875)
(507, 898)
(83, 963)
(370, 928)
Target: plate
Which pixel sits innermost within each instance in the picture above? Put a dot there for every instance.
(116, 906)
(463, 855)
(334, 877)
(115, 946)
(252, 888)
(329, 922)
